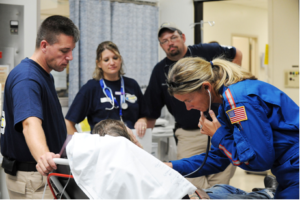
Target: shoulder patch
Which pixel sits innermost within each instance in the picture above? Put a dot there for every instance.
(237, 114)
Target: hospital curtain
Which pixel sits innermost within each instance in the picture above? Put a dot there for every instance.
(132, 27)
(134, 30)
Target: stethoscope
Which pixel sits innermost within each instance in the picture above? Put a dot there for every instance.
(208, 140)
(109, 94)
(207, 147)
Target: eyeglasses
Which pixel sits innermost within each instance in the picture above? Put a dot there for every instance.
(173, 38)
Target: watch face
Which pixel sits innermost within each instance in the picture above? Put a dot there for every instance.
(124, 106)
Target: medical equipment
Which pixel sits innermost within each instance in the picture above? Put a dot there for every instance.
(208, 143)
(211, 23)
(62, 183)
(99, 176)
(109, 95)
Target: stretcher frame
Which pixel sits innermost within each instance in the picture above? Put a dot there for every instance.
(59, 182)
(57, 187)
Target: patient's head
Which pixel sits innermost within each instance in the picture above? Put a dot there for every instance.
(111, 127)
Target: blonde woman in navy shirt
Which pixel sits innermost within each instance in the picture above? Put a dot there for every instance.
(109, 95)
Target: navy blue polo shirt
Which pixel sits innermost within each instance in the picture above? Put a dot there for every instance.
(157, 94)
(30, 92)
(91, 102)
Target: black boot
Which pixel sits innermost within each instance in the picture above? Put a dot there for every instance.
(270, 182)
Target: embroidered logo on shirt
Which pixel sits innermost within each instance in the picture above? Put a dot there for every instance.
(131, 98)
(237, 114)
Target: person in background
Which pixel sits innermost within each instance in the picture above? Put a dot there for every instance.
(33, 122)
(109, 95)
(257, 127)
(190, 140)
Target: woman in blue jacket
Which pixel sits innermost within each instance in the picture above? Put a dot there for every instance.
(257, 127)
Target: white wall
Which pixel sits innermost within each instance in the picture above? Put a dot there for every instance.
(232, 19)
(31, 22)
(283, 42)
(180, 12)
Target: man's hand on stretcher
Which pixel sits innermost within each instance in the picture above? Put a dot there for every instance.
(46, 164)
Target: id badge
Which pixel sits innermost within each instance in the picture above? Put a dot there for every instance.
(104, 99)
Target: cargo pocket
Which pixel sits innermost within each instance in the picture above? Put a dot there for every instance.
(37, 181)
(15, 186)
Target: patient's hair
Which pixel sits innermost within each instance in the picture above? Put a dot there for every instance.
(111, 127)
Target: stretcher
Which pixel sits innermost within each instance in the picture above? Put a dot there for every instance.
(62, 184)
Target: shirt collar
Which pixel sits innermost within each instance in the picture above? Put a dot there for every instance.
(222, 89)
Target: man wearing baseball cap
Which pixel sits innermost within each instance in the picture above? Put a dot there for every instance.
(190, 140)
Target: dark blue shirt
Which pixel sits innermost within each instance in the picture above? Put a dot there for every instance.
(88, 103)
(157, 94)
(30, 92)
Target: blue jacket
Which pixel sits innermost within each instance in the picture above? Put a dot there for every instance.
(260, 131)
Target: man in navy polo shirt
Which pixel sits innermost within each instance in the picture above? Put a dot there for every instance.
(190, 141)
(34, 126)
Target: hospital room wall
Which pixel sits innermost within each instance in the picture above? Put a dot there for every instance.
(283, 43)
(31, 22)
(277, 26)
(230, 19)
(237, 20)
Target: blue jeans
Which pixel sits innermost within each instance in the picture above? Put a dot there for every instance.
(222, 191)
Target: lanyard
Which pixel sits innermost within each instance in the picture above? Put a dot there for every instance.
(109, 94)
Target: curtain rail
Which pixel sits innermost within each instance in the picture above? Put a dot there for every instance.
(139, 2)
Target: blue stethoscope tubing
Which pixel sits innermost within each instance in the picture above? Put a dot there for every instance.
(109, 94)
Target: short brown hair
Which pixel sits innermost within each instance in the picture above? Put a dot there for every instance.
(53, 26)
(111, 127)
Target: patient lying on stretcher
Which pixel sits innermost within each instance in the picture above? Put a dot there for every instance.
(117, 128)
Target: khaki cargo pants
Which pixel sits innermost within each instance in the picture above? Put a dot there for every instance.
(27, 185)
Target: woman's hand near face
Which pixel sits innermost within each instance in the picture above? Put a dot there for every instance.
(209, 128)
(141, 126)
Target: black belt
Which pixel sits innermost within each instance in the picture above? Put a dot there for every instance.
(27, 167)
(11, 166)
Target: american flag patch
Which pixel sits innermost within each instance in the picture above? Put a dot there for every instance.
(237, 114)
